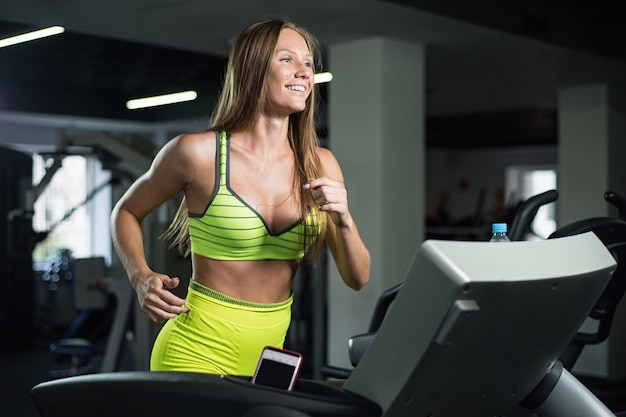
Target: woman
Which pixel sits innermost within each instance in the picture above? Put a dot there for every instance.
(259, 196)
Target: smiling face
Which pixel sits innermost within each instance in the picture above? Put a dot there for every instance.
(290, 78)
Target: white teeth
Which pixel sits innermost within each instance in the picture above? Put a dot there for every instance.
(296, 88)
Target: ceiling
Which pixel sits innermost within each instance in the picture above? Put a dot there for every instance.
(493, 68)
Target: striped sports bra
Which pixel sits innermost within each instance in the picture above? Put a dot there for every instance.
(229, 229)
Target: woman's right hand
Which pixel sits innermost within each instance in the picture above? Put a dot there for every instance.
(156, 300)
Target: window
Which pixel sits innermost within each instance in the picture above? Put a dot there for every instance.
(525, 182)
(74, 207)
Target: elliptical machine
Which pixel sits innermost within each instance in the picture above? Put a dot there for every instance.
(612, 232)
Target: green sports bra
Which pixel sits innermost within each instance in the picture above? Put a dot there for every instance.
(229, 229)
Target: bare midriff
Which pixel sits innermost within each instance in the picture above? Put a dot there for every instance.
(267, 281)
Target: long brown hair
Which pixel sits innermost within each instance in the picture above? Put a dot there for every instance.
(241, 102)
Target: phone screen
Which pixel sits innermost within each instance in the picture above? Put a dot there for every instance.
(277, 368)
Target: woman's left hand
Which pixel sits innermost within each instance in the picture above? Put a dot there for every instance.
(331, 197)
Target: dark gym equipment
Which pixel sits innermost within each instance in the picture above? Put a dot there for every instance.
(526, 212)
(93, 290)
(612, 232)
(17, 240)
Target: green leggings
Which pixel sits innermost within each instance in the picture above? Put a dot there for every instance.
(220, 334)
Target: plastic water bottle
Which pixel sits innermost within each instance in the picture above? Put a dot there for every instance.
(498, 233)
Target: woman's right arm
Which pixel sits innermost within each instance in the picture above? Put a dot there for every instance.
(170, 173)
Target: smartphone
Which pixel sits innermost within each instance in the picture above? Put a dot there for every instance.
(277, 368)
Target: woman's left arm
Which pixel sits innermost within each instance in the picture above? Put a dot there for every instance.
(349, 252)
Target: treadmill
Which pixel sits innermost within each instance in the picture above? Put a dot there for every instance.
(476, 330)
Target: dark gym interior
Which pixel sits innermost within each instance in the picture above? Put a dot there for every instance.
(493, 75)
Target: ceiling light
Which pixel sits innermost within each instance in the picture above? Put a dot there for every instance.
(30, 36)
(323, 77)
(140, 103)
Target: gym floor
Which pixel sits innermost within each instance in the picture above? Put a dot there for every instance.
(23, 368)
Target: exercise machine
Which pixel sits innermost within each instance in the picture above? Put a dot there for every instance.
(612, 232)
(93, 289)
(475, 330)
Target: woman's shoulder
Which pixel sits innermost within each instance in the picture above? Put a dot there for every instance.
(326, 156)
(188, 150)
(205, 138)
(329, 162)
(194, 145)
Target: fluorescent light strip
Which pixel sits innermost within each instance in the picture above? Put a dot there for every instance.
(31, 36)
(140, 103)
(323, 77)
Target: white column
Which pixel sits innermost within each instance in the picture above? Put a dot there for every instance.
(376, 131)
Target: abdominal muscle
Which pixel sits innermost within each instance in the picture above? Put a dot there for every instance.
(266, 281)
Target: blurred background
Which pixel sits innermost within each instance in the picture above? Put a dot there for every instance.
(476, 107)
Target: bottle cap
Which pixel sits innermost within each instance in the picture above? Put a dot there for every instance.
(498, 228)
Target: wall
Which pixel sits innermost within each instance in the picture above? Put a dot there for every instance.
(463, 173)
